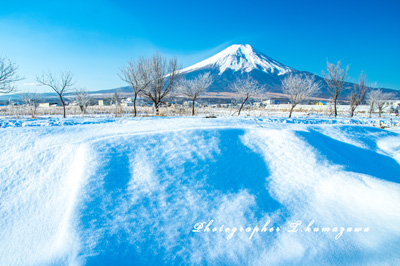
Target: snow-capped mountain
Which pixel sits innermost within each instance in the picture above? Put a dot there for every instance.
(243, 58)
(237, 61)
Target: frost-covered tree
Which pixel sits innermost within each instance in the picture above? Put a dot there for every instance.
(335, 78)
(8, 75)
(378, 99)
(82, 98)
(138, 75)
(193, 88)
(298, 87)
(116, 100)
(371, 99)
(60, 85)
(31, 101)
(357, 94)
(164, 76)
(246, 89)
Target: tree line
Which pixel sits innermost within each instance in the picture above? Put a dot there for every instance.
(156, 77)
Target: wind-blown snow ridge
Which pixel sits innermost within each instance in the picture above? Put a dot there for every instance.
(239, 57)
(131, 191)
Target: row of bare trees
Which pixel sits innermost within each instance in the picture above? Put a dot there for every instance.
(336, 79)
(153, 78)
(156, 77)
(299, 87)
(59, 84)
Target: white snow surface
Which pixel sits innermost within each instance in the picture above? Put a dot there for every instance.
(129, 191)
(239, 57)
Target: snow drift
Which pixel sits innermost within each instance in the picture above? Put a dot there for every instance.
(133, 192)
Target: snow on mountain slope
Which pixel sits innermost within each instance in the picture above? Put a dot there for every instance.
(240, 61)
(242, 58)
(133, 192)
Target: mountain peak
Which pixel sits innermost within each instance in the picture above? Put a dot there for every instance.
(243, 58)
(240, 48)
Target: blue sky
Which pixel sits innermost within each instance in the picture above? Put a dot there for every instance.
(93, 39)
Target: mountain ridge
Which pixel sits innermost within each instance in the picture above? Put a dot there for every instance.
(242, 60)
(241, 57)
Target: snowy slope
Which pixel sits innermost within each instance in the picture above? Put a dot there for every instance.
(243, 58)
(239, 61)
(131, 192)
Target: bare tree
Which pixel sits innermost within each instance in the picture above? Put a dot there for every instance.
(357, 94)
(299, 87)
(247, 88)
(116, 100)
(164, 76)
(371, 100)
(137, 75)
(193, 88)
(377, 98)
(335, 79)
(60, 85)
(8, 75)
(82, 99)
(31, 100)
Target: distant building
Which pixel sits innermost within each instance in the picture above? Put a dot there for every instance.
(270, 102)
(320, 103)
(44, 105)
(394, 106)
(105, 102)
(127, 102)
(394, 103)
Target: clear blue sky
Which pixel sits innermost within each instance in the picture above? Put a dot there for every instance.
(93, 39)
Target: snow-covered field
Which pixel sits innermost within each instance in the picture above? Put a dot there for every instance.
(225, 191)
